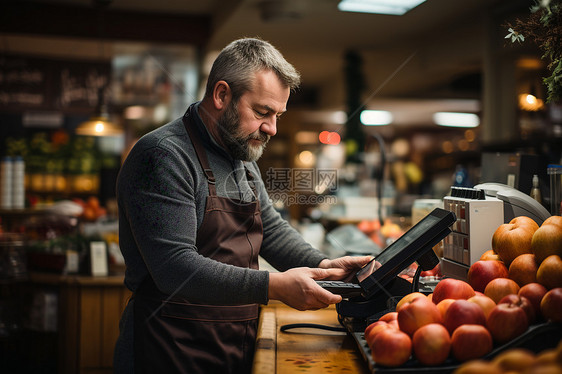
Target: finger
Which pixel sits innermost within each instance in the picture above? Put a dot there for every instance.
(365, 260)
(326, 297)
(355, 262)
(332, 273)
(329, 299)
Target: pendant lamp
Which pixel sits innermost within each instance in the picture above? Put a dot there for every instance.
(99, 123)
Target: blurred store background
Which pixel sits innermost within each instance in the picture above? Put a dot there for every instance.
(393, 111)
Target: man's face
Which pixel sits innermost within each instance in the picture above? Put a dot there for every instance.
(246, 127)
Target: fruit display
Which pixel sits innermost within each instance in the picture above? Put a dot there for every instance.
(532, 254)
(511, 292)
(457, 330)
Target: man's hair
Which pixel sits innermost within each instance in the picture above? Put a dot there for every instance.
(238, 62)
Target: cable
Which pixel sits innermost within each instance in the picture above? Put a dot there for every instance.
(290, 326)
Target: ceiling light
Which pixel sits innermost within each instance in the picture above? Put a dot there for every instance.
(452, 119)
(393, 7)
(530, 102)
(99, 124)
(376, 117)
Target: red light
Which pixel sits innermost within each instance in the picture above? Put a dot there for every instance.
(327, 137)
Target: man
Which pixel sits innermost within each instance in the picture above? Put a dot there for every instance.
(193, 218)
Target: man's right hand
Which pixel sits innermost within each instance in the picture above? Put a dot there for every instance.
(297, 287)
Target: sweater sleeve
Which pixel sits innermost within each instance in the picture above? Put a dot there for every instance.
(283, 246)
(158, 227)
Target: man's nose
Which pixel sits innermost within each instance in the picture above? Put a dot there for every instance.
(269, 126)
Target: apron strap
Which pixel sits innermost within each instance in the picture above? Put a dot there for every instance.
(251, 181)
(201, 154)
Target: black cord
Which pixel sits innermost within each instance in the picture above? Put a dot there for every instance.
(290, 326)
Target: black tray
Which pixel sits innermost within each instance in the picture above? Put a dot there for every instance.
(536, 339)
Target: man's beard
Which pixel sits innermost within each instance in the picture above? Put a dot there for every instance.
(237, 144)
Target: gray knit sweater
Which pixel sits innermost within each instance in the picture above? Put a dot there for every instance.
(161, 191)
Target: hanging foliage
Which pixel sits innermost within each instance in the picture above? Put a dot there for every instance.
(544, 27)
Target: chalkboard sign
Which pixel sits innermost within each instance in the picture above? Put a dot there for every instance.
(28, 83)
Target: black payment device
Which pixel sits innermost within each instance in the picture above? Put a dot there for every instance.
(378, 280)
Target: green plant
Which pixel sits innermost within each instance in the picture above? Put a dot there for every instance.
(544, 27)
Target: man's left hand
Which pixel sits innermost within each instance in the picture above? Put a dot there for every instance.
(350, 264)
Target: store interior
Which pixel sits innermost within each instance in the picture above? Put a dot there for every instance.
(329, 167)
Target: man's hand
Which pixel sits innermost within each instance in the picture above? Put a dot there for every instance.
(349, 264)
(297, 288)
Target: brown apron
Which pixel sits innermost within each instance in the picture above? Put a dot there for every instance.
(173, 335)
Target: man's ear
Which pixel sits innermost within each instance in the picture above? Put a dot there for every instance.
(221, 95)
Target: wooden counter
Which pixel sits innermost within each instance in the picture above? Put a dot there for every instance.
(304, 350)
(89, 310)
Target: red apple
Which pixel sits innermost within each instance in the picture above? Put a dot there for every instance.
(391, 347)
(485, 303)
(416, 314)
(551, 305)
(408, 298)
(514, 238)
(463, 312)
(523, 302)
(534, 292)
(431, 344)
(490, 255)
(507, 321)
(451, 288)
(469, 342)
(444, 305)
(390, 316)
(499, 287)
(482, 272)
(373, 329)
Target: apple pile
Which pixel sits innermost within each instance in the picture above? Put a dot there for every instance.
(528, 252)
(457, 321)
